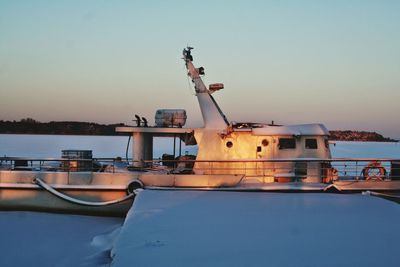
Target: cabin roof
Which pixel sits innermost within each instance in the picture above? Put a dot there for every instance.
(299, 129)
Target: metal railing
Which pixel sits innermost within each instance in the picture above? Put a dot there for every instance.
(289, 169)
(59, 164)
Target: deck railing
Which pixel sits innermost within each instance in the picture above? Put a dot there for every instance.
(276, 169)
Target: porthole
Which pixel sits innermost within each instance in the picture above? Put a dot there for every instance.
(229, 144)
(264, 142)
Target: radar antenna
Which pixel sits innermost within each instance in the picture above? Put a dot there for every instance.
(187, 55)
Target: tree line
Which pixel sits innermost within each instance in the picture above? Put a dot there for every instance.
(32, 126)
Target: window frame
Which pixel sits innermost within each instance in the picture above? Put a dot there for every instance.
(310, 146)
(287, 141)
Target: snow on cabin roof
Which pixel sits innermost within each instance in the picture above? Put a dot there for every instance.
(299, 129)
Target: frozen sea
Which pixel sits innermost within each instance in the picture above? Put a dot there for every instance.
(43, 239)
(50, 146)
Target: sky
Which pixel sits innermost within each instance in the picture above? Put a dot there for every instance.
(331, 62)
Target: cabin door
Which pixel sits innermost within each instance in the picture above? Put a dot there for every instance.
(264, 152)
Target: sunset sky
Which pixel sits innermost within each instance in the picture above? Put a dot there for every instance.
(334, 62)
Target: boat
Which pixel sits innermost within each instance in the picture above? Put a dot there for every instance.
(232, 156)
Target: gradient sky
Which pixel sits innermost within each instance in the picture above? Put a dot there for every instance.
(335, 62)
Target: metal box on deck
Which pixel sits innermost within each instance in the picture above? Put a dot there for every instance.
(77, 160)
(170, 117)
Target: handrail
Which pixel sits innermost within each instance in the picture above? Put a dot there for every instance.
(231, 160)
(344, 168)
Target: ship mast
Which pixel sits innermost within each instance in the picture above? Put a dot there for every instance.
(213, 116)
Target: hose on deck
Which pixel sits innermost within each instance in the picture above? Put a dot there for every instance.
(53, 191)
(377, 194)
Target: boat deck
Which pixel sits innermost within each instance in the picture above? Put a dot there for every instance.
(19, 191)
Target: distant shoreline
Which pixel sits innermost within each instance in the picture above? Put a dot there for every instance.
(365, 136)
(31, 126)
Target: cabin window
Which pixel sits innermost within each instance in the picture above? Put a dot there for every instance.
(258, 148)
(311, 143)
(229, 144)
(287, 143)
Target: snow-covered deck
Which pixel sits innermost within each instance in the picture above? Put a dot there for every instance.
(210, 228)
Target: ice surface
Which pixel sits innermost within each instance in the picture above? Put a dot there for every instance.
(343, 149)
(43, 239)
(44, 146)
(50, 146)
(192, 228)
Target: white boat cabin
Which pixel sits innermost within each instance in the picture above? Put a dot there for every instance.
(222, 141)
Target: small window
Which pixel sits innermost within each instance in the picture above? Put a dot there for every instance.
(229, 144)
(287, 143)
(311, 143)
(259, 149)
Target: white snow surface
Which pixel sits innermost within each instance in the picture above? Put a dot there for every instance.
(44, 239)
(298, 129)
(213, 228)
